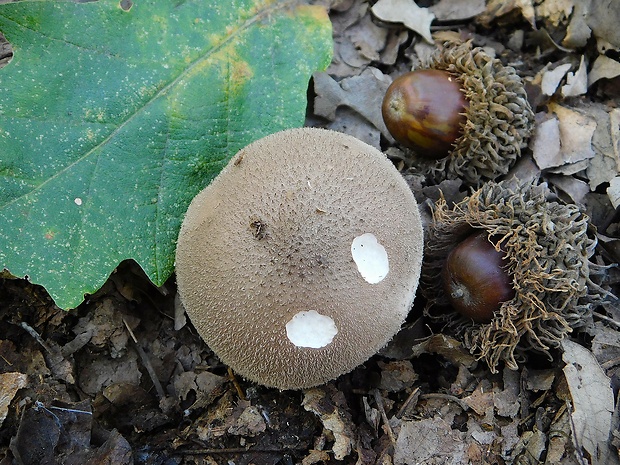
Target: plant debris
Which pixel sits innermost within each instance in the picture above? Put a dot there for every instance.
(118, 381)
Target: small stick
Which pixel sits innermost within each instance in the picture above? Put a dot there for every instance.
(386, 422)
(233, 378)
(407, 402)
(147, 364)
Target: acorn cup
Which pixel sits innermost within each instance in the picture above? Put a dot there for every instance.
(487, 130)
(545, 250)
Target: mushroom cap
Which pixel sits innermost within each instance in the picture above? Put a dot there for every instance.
(302, 257)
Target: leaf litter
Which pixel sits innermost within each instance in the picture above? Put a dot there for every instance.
(117, 381)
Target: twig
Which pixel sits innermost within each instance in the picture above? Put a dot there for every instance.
(407, 402)
(30, 330)
(607, 319)
(437, 395)
(147, 364)
(578, 453)
(237, 450)
(235, 382)
(386, 422)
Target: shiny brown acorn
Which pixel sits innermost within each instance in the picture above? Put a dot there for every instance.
(424, 110)
(475, 278)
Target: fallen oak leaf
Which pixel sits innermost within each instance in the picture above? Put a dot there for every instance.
(593, 402)
(408, 13)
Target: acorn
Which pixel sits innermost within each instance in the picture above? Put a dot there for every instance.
(543, 245)
(424, 111)
(475, 278)
(489, 117)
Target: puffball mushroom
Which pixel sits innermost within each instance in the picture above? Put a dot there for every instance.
(302, 257)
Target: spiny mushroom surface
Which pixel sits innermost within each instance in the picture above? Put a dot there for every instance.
(301, 259)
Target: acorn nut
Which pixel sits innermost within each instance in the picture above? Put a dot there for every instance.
(424, 110)
(462, 103)
(475, 278)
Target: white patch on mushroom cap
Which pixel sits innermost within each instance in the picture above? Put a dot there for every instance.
(311, 329)
(370, 257)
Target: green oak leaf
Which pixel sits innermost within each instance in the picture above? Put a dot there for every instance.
(113, 118)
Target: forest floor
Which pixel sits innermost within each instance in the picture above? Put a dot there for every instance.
(115, 381)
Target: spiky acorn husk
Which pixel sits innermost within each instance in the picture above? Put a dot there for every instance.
(548, 250)
(499, 117)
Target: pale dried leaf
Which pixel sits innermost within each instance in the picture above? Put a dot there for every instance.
(446, 346)
(578, 31)
(529, 448)
(352, 123)
(457, 10)
(613, 191)
(431, 442)
(250, 423)
(555, 11)
(551, 79)
(603, 68)
(606, 343)
(317, 401)
(546, 143)
(606, 163)
(575, 133)
(481, 400)
(10, 383)
(576, 83)
(368, 38)
(498, 8)
(315, 456)
(408, 13)
(575, 188)
(560, 450)
(507, 401)
(603, 19)
(363, 94)
(539, 380)
(593, 401)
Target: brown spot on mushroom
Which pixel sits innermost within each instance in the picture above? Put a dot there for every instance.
(259, 228)
(241, 293)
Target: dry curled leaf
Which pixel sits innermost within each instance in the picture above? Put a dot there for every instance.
(593, 402)
(10, 383)
(564, 138)
(408, 13)
(320, 402)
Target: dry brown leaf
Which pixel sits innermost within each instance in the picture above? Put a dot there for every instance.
(606, 163)
(457, 10)
(578, 31)
(361, 94)
(250, 423)
(574, 130)
(577, 82)
(529, 448)
(603, 19)
(10, 383)
(318, 401)
(603, 68)
(498, 8)
(551, 78)
(408, 13)
(507, 401)
(613, 191)
(575, 188)
(397, 375)
(593, 402)
(431, 441)
(555, 11)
